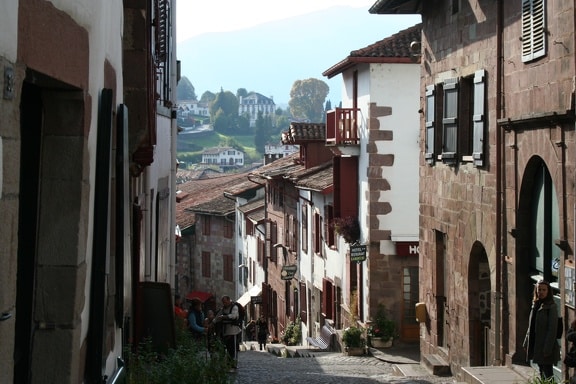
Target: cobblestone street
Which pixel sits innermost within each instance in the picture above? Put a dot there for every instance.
(256, 367)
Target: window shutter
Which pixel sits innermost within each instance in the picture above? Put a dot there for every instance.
(478, 118)
(430, 113)
(533, 29)
(303, 303)
(450, 121)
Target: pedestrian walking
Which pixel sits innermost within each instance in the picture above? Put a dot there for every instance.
(263, 332)
(228, 317)
(540, 342)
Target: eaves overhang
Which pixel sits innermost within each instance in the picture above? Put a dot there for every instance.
(350, 62)
(396, 7)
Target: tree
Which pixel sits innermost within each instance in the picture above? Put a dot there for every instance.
(307, 99)
(185, 89)
(241, 92)
(226, 101)
(221, 122)
(262, 132)
(207, 97)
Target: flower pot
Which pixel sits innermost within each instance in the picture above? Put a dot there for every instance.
(377, 342)
(354, 351)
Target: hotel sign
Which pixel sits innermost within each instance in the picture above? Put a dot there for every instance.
(357, 253)
(407, 248)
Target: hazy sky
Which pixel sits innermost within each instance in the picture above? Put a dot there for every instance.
(198, 17)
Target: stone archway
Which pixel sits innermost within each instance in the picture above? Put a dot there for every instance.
(479, 305)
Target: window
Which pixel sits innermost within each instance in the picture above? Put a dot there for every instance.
(205, 264)
(533, 29)
(249, 227)
(228, 228)
(271, 239)
(328, 228)
(459, 103)
(317, 232)
(450, 121)
(206, 225)
(305, 227)
(228, 270)
(430, 125)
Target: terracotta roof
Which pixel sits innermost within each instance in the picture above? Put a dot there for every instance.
(254, 210)
(199, 192)
(217, 150)
(279, 167)
(184, 175)
(301, 132)
(393, 49)
(319, 179)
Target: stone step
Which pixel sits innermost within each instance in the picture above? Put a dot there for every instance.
(436, 365)
(491, 374)
(410, 370)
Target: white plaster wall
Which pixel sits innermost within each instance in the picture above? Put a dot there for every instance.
(8, 30)
(398, 85)
(305, 258)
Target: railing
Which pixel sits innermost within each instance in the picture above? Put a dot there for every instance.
(342, 127)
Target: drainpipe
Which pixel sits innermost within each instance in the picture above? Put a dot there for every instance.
(500, 270)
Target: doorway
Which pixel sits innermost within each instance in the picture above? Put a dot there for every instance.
(479, 302)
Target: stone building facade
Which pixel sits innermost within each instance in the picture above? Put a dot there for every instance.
(87, 146)
(497, 172)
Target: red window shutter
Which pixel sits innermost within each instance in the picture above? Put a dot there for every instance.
(303, 303)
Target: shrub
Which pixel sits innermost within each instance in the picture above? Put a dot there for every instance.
(293, 333)
(383, 327)
(353, 337)
(190, 362)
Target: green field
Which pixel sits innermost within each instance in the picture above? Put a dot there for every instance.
(191, 146)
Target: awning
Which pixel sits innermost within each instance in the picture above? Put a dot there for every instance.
(245, 298)
(202, 296)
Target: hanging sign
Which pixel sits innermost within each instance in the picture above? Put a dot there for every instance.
(288, 272)
(357, 253)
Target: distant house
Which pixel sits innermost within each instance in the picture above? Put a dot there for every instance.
(193, 107)
(223, 156)
(278, 151)
(250, 105)
(188, 112)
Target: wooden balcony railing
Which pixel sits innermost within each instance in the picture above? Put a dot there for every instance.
(342, 127)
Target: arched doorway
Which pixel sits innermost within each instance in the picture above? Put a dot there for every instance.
(479, 287)
(538, 226)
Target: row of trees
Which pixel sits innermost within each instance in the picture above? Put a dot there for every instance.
(307, 103)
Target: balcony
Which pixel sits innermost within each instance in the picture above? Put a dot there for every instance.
(342, 131)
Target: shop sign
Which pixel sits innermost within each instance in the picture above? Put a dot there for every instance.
(288, 272)
(357, 253)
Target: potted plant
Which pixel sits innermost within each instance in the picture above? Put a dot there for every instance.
(354, 342)
(383, 330)
(347, 227)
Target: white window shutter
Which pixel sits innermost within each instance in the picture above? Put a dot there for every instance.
(533, 29)
(430, 122)
(478, 117)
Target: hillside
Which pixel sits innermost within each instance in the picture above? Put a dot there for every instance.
(270, 57)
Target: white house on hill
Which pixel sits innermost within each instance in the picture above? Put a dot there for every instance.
(223, 156)
(250, 105)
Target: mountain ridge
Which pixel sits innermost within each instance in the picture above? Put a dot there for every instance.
(269, 57)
